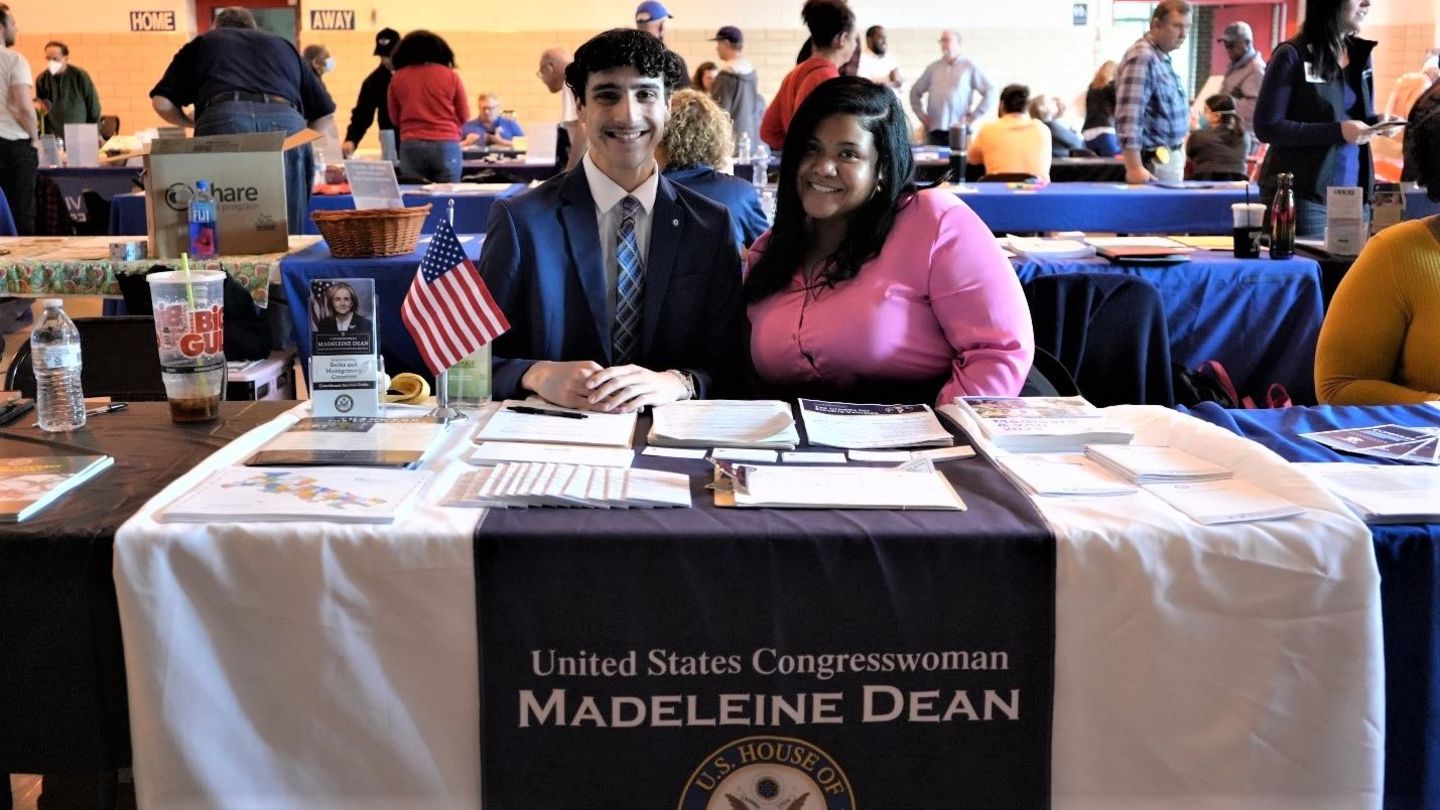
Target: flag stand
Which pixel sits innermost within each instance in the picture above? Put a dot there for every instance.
(442, 408)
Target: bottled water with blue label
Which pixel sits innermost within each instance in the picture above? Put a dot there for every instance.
(204, 230)
(55, 356)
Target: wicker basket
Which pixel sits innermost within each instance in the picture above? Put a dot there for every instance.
(370, 233)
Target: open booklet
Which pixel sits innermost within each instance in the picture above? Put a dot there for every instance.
(31, 483)
(352, 442)
(860, 426)
(283, 494)
(767, 424)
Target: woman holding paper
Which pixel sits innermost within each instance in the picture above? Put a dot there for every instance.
(1378, 344)
(868, 290)
(1317, 109)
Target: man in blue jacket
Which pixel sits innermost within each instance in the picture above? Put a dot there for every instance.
(622, 289)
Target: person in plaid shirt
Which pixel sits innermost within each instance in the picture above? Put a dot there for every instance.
(1152, 116)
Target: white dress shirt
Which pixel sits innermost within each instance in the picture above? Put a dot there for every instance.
(607, 195)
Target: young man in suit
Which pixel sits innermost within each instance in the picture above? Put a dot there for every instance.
(622, 289)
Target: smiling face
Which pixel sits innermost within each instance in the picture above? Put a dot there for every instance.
(1352, 15)
(624, 115)
(837, 173)
(1169, 32)
(342, 301)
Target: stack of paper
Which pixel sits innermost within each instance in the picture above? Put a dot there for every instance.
(539, 421)
(352, 442)
(865, 427)
(1229, 500)
(1042, 424)
(1139, 248)
(1383, 494)
(1049, 248)
(526, 484)
(1145, 464)
(724, 423)
(1396, 442)
(916, 485)
(496, 452)
(315, 493)
(1061, 474)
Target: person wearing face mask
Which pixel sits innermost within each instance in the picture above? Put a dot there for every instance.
(622, 288)
(832, 34)
(1317, 109)
(867, 289)
(65, 92)
(319, 59)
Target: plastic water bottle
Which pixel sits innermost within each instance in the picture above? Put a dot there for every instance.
(742, 149)
(55, 355)
(204, 231)
(760, 167)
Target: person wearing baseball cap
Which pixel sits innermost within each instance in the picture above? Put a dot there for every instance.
(1246, 72)
(650, 17)
(373, 93)
(737, 88)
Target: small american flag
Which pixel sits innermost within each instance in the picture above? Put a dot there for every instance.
(448, 311)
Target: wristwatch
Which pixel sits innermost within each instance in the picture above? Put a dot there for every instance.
(688, 379)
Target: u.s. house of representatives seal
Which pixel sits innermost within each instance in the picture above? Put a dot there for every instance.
(768, 773)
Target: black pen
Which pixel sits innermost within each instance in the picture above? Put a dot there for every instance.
(111, 408)
(526, 409)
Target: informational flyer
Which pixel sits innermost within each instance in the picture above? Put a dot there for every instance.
(344, 350)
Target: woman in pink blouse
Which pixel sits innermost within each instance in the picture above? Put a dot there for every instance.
(868, 290)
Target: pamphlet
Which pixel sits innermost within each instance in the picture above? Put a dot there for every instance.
(535, 420)
(345, 347)
(1380, 493)
(724, 423)
(870, 426)
(525, 484)
(281, 494)
(1147, 464)
(1042, 424)
(29, 484)
(352, 442)
(1420, 445)
(803, 487)
(1061, 474)
(373, 185)
(1228, 500)
(496, 452)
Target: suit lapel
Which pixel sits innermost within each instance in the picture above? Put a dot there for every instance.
(582, 239)
(666, 226)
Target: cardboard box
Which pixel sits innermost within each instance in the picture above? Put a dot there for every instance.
(247, 178)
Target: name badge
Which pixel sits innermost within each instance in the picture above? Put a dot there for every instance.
(1311, 75)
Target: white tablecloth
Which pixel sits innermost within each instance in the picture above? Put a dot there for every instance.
(308, 666)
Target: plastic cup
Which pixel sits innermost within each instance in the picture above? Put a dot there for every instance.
(190, 332)
(1249, 221)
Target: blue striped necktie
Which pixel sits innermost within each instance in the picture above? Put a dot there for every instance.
(629, 285)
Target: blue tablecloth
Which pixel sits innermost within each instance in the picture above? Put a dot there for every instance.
(392, 280)
(472, 210)
(7, 220)
(1418, 205)
(1260, 318)
(1408, 557)
(1108, 207)
(106, 181)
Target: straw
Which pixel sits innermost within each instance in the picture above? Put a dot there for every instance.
(189, 288)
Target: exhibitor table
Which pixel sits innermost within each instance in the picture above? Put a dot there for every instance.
(1408, 556)
(1103, 207)
(62, 680)
(392, 276)
(106, 182)
(1259, 317)
(326, 665)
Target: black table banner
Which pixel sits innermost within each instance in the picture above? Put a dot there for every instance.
(729, 658)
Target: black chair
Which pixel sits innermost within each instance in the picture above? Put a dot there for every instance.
(1108, 330)
(1048, 377)
(118, 357)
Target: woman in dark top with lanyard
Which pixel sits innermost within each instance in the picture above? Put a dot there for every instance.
(1316, 109)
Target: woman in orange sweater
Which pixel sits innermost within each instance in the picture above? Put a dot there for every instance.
(427, 103)
(832, 32)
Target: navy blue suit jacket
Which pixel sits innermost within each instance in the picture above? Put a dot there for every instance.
(543, 263)
(730, 191)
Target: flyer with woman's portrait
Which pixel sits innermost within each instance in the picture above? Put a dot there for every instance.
(344, 346)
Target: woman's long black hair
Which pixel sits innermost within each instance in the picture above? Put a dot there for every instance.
(1321, 32)
(879, 113)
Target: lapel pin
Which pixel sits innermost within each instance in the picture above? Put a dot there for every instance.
(675, 222)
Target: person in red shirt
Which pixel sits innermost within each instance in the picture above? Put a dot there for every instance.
(428, 105)
(832, 32)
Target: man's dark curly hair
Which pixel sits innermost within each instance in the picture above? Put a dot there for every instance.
(622, 47)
